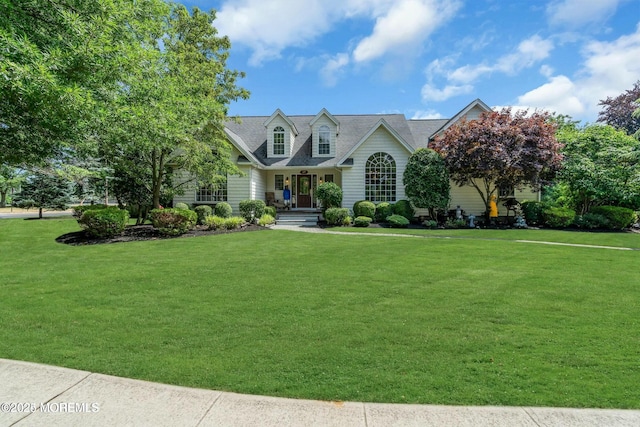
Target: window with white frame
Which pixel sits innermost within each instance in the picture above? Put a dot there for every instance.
(279, 182)
(506, 191)
(212, 193)
(278, 141)
(328, 177)
(324, 140)
(380, 178)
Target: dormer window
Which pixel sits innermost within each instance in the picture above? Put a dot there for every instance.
(324, 140)
(278, 141)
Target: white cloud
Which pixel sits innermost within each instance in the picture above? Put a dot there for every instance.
(576, 13)
(609, 68)
(406, 24)
(432, 93)
(428, 114)
(529, 52)
(333, 68)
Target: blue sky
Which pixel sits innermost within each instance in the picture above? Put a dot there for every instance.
(429, 58)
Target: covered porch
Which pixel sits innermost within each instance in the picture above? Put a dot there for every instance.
(295, 189)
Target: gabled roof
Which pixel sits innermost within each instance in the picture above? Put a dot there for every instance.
(381, 123)
(324, 112)
(279, 112)
(475, 103)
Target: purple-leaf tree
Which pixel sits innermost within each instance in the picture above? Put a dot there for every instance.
(501, 149)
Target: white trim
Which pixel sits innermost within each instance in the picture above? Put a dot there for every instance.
(381, 123)
(279, 112)
(329, 115)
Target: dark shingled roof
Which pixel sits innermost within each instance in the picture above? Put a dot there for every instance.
(250, 135)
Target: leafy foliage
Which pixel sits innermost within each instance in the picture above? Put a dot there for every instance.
(619, 111)
(601, 167)
(404, 208)
(532, 211)
(426, 181)
(271, 210)
(203, 211)
(173, 221)
(617, 217)
(591, 221)
(223, 209)
(330, 195)
(501, 149)
(233, 222)
(47, 190)
(383, 210)
(81, 209)
(266, 219)
(214, 222)
(336, 216)
(251, 210)
(364, 208)
(398, 221)
(558, 217)
(10, 180)
(104, 223)
(362, 221)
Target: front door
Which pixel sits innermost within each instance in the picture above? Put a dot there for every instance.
(303, 191)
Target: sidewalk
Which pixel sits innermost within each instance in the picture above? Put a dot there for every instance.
(40, 395)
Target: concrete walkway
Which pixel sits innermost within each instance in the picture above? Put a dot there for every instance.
(40, 395)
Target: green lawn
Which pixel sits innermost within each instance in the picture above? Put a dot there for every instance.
(333, 317)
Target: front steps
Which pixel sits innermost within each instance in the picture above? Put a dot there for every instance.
(298, 218)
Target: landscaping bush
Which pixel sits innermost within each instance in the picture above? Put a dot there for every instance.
(271, 210)
(266, 219)
(173, 222)
(223, 210)
(455, 223)
(617, 216)
(214, 222)
(79, 210)
(532, 211)
(346, 222)
(362, 221)
(336, 216)
(330, 195)
(558, 217)
(404, 208)
(364, 208)
(383, 210)
(104, 222)
(430, 223)
(202, 211)
(233, 222)
(591, 221)
(398, 221)
(252, 209)
(181, 205)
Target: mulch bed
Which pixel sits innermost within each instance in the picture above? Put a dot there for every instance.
(134, 233)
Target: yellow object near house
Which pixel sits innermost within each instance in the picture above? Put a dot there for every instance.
(493, 207)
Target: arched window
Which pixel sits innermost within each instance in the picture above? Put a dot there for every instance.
(380, 178)
(324, 140)
(278, 141)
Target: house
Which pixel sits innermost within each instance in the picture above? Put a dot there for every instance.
(365, 155)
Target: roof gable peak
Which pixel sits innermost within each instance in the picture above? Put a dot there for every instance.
(325, 112)
(279, 113)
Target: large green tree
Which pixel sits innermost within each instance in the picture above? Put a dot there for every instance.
(619, 111)
(45, 189)
(169, 112)
(57, 59)
(426, 181)
(501, 149)
(601, 167)
(10, 180)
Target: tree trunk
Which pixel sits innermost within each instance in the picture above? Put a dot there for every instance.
(3, 199)
(157, 174)
(40, 212)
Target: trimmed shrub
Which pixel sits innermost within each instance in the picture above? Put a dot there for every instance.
(336, 216)
(233, 222)
(104, 222)
(362, 221)
(558, 217)
(346, 222)
(364, 208)
(270, 210)
(455, 223)
(181, 205)
(223, 210)
(383, 210)
(173, 222)
(404, 208)
(617, 216)
(214, 222)
(330, 195)
(532, 211)
(430, 223)
(398, 221)
(252, 209)
(266, 219)
(203, 211)
(591, 221)
(79, 210)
